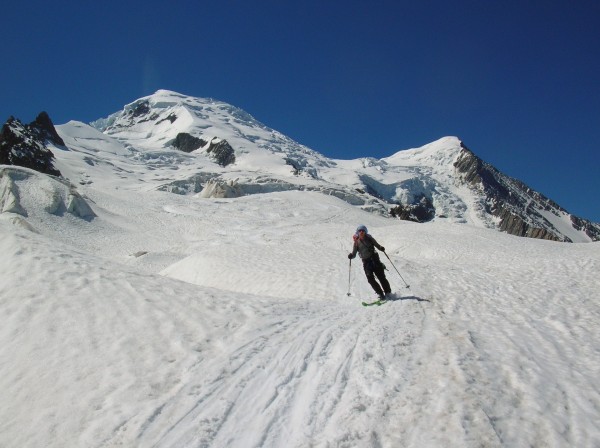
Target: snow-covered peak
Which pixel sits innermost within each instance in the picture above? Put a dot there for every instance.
(167, 113)
(154, 122)
(233, 154)
(440, 153)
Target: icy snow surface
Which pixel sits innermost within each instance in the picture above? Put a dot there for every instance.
(179, 321)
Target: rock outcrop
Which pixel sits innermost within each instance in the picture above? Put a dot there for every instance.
(422, 211)
(26, 145)
(517, 207)
(221, 152)
(188, 143)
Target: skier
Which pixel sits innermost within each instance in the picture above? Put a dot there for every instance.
(365, 245)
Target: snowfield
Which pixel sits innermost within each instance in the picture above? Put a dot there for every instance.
(134, 317)
(234, 329)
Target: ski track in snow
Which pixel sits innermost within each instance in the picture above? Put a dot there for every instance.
(301, 373)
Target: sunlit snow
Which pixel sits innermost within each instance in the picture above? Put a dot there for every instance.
(179, 321)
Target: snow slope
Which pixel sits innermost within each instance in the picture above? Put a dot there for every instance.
(232, 154)
(267, 160)
(136, 317)
(180, 321)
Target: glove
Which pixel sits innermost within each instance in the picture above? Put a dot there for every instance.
(350, 257)
(382, 249)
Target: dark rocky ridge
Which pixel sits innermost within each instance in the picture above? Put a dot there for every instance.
(25, 145)
(514, 203)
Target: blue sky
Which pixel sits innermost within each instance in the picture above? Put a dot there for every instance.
(517, 81)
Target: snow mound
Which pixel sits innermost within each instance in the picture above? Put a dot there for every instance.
(28, 193)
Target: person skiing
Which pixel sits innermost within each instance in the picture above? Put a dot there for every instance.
(365, 245)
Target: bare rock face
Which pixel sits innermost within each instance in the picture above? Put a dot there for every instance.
(515, 204)
(221, 152)
(218, 149)
(44, 126)
(188, 143)
(26, 145)
(422, 211)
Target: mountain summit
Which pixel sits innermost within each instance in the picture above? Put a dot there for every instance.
(441, 180)
(186, 145)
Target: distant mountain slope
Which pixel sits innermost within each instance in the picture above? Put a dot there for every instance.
(442, 180)
(186, 145)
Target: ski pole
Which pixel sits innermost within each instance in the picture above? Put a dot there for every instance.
(407, 285)
(349, 273)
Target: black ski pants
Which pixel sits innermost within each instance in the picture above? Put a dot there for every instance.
(374, 267)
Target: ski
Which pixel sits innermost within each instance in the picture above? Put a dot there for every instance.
(377, 302)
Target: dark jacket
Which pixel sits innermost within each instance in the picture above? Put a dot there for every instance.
(365, 247)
